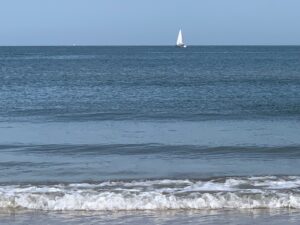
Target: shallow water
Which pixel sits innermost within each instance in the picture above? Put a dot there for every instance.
(207, 217)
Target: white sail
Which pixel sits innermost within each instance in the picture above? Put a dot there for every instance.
(180, 42)
(179, 38)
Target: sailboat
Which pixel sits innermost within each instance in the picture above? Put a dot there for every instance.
(180, 42)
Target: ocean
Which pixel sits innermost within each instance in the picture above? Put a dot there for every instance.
(150, 134)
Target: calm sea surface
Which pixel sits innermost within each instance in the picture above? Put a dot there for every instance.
(153, 135)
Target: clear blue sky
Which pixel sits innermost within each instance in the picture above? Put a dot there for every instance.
(149, 22)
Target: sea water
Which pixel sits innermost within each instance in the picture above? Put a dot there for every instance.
(153, 135)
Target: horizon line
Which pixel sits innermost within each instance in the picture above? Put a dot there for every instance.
(192, 45)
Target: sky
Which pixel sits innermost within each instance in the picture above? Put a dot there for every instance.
(149, 22)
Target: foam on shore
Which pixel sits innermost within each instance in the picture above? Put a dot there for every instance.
(268, 192)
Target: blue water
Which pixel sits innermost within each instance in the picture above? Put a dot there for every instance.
(150, 128)
(149, 83)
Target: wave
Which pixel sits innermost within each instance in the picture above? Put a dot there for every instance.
(219, 193)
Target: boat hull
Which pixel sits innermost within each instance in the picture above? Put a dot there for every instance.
(181, 46)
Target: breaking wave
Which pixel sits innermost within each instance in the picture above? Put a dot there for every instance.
(218, 193)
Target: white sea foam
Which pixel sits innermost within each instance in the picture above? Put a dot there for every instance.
(230, 193)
